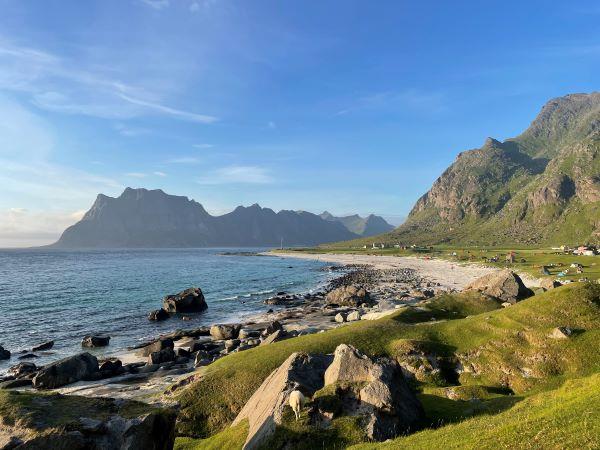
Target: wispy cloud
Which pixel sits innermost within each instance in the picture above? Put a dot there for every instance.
(156, 4)
(201, 146)
(158, 173)
(184, 160)
(238, 175)
(125, 130)
(62, 85)
(136, 174)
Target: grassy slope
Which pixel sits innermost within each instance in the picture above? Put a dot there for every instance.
(568, 417)
(506, 341)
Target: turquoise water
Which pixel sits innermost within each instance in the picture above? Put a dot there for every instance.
(63, 295)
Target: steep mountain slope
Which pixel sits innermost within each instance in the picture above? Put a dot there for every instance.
(540, 187)
(363, 226)
(141, 218)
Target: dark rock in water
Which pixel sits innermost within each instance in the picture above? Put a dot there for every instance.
(95, 341)
(66, 371)
(225, 331)
(156, 346)
(158, 315)
(353, 295)
(22, 369)
(45, 346)
(190, 300)
(28, 356)
(162, 356)
(4, 354)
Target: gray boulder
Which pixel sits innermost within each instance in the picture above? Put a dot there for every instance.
(190, 300)
(503, 285)
(45, 346)
(156, 346)
(22, 369)
(92, 341)
(225, 331)
(66, 371)
(158, 315)
(353, 296)
(549, 283)
(161, 356)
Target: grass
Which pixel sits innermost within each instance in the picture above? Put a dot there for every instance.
(567, 417)
(230, 438)
(508, 349)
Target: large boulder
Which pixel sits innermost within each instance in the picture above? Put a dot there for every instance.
(549, 283)
(353, 296)
(503, 285)
(264, 410)
(158, 315)
(156, 346)
(375, 390)
(161, 356)
(22, 369)
(225, 331)
(92, 341)
(190, 300)
(4, 354)
(66, 371)
(44, 346)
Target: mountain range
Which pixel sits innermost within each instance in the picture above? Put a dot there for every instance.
(541, 187)
(141, 218)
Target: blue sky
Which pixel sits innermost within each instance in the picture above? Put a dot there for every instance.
(349, 106)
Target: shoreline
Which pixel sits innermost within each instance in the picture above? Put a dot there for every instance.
(393, 282)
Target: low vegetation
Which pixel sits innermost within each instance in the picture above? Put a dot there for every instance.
(512, 374)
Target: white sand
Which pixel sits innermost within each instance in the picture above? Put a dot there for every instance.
(448, 274)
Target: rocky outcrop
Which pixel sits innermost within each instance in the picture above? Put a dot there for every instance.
(225, 331)
(48, 422)
(190, 300)
(156, 346)
(95, 340)
(264, 410)
(66, 371)
(44, 346)
(4, 354)
(158, 315)
(503, 285)
(353, 295)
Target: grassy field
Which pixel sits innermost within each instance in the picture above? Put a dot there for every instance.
(528, 261)
(517, 364)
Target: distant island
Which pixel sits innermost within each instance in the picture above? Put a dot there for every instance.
(142, 218)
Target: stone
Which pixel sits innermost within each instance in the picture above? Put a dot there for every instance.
(156, 346)
(561, 333)
(111, 366)
(353, 316)
(18, 383)
(378, 392)
(272, 327)
(549, 283)
(274, 337)
(4, 354)
(202, 359)
(353, 296)
(45, 346)
(340, 318)
(66, 371)
(22, 369)
(28, 356)
(503, 285)
(161, 356)
(264, 409)
(183, 352)
(92, 341)
(158, 315)
(225, 331)
(231, 344)
(246, 333)
(190, 300)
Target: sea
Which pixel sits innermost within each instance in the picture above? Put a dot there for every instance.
(62, 295)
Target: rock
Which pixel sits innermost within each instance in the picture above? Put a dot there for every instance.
(353, 316)
(92, 341)
(277, 336)
(156, 346)
(202, 359)
(385, 401)
(4, 354)
(224, 332)
(506, 304)
(264, 410)
(45, 346)
(353, 296)
(110, 366)
(340, 318)
(161, 356)
(13, 384)
(13, 442)
(22, 369)
(272, 327)
(183, 352)
(158, 315)
(230, 344)
(549, 283)
(503, 285)
(246, 333)
(561, 333)
(66, 371)
(28, 356)
(190, 300)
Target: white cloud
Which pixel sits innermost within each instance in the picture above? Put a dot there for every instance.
(203, 145)
(125, 130)
(238, 175)
(158, 173)
(184, 160)
(156, 4)
(136, 174)
(61, 85)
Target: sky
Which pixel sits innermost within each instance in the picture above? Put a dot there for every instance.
(346, 106)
